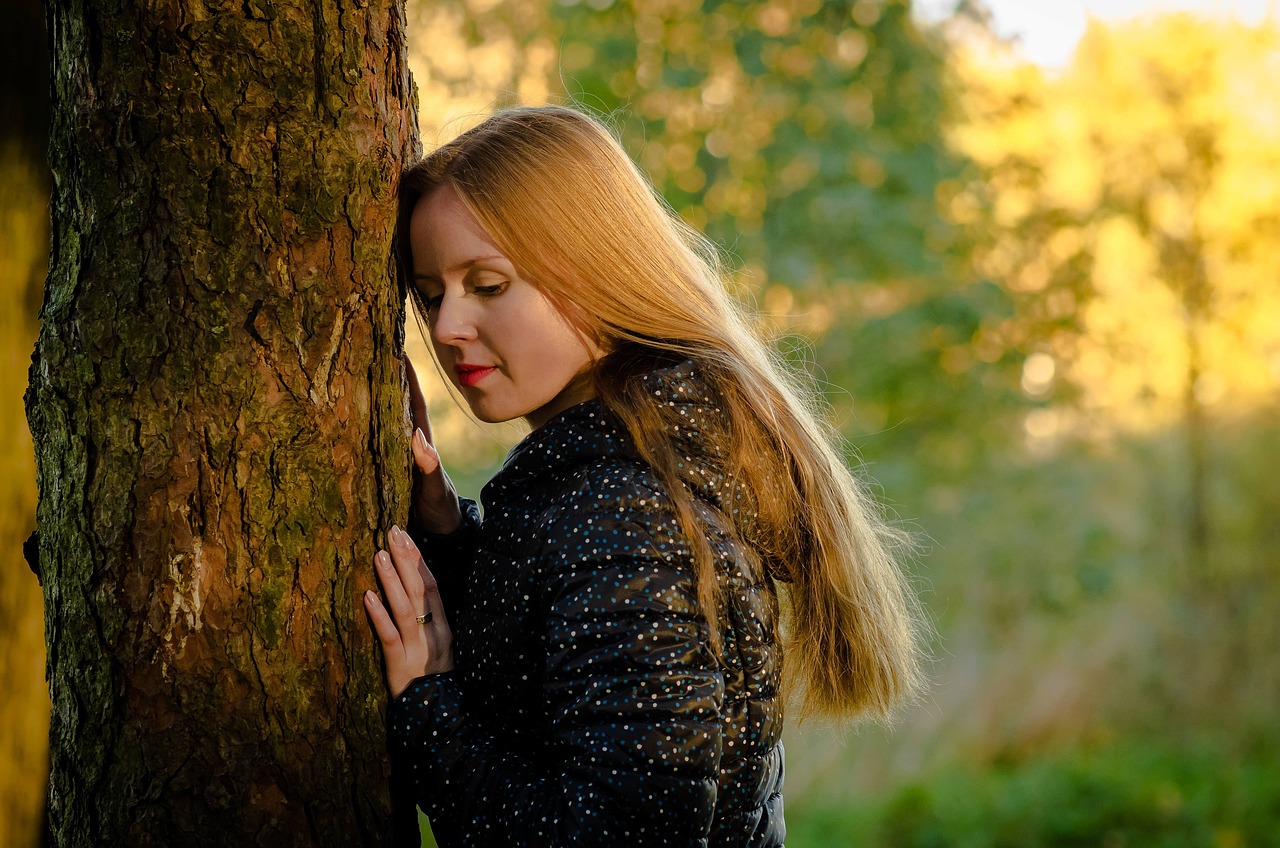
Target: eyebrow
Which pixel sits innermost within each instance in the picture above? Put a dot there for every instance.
(460, 266)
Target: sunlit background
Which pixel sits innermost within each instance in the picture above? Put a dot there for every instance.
(1031, 251)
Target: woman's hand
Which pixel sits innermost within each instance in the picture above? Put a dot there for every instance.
(434, 501)
(415, 634)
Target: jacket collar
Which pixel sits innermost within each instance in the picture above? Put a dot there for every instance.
(588, 431)
(579, 434)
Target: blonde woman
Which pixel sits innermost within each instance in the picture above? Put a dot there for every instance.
(599, 660)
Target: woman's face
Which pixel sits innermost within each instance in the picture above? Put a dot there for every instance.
(501, 341)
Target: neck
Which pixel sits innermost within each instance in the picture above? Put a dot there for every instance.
(581, 388)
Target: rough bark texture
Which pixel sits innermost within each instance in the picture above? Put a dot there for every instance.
(219, 416)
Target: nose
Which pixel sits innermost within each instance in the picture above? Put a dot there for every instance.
(452, 322)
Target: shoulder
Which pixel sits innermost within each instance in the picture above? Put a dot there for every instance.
(607, 502)
(609, 483)
(611, 547)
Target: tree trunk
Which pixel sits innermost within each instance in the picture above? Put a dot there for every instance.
(1197, 460)
(219, 416)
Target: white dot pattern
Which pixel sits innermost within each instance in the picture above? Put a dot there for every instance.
(586, 707)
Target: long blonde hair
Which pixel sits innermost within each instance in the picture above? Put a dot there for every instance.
(560, 197)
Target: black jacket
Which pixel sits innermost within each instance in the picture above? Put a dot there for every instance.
(586, 707)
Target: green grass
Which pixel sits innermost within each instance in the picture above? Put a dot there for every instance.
(1157, 794)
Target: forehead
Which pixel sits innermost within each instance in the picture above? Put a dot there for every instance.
(443, 233)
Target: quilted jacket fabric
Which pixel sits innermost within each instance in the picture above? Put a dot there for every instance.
(586, 706)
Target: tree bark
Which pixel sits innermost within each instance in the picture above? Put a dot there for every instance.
(219, 415)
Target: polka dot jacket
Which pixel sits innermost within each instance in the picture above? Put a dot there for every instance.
(586, 706)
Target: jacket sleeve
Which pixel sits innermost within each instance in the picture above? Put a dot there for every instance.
(449, 555)
(632, 696)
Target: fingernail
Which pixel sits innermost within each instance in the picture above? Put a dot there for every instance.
(397, 535)
(383, 559)
(419, 440)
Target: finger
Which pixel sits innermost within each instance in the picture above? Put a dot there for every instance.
(417, 579)
(431, 595)
(407, 562)
(393, 588)
(425, 456)
(388, 635)
(417, 401)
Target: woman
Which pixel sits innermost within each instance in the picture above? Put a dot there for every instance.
(598, 661)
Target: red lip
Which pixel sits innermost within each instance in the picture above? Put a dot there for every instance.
(469, 375)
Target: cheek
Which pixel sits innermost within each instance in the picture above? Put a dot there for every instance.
(564, 361)
(560, 338)
(444, 357)
(535, 341)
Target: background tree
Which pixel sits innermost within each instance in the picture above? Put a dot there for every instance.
(219, 417)
(1141, 252)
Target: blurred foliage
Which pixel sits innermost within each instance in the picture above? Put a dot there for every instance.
(24, 246)
(1164, 796)
(1068, 619)
(807, 139)
(24, 699)
(1044, 311)
(1132, 210)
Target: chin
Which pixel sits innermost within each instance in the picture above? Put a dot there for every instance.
(491, 417)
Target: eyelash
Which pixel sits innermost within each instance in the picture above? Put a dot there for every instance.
(433, 303)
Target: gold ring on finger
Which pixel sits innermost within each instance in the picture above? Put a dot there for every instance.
(425, 618)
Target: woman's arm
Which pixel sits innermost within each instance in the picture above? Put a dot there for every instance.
(448, 556)
(632, 694)
(435, 500)
(442, 525)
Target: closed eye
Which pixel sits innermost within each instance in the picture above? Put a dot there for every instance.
(432, 302)
(490, 290)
